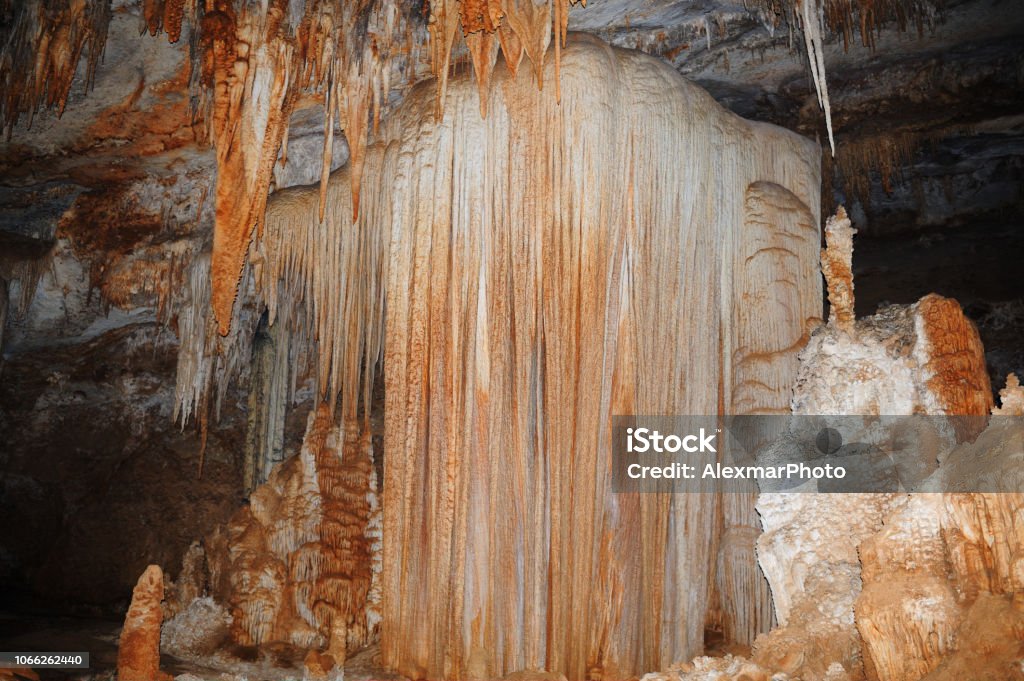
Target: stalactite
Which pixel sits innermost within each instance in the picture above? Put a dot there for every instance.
(174, 14)
(511, 47)
(42, 51)
(483, 51)
(813, 30)
(268, 396)
(884, 154)
(22, 275)
(501, 255)
(530, 20)
(253, 100)
(208, 363)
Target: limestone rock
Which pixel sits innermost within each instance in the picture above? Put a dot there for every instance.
(728, 668)
(138, 654)
(197, 630)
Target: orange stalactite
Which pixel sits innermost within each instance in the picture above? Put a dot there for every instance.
(483, 52)
(511, 47)
(174, 13)
(443, 25)
(531, 23)
(480, 15)
(357, 103)
(252, 101)
(152, 15)
(255, 65)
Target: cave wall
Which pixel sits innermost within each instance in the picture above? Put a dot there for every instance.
(94, 467)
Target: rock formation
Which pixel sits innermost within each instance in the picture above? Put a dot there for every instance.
(197, 630)
(881, 586)
(297, 564)
(501, 249)
(606, 241)
(138, 654)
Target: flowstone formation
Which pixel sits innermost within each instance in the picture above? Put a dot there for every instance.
(630, 218)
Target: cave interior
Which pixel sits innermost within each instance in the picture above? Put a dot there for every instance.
(316, 317)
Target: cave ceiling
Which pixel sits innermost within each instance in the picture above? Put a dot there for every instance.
(926, 103)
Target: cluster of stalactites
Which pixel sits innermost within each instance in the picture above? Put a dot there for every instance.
(41, 50)
(344, 53)
(257, 63)
(516, 27)
(252, 62)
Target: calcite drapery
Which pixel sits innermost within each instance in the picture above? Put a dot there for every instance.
(543, 270)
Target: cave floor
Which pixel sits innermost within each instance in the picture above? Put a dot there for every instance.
(98, 637)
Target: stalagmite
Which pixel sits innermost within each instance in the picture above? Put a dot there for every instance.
(614, 222)
(819, 549)
(138, 653)
(295, 565)
(837, 266)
